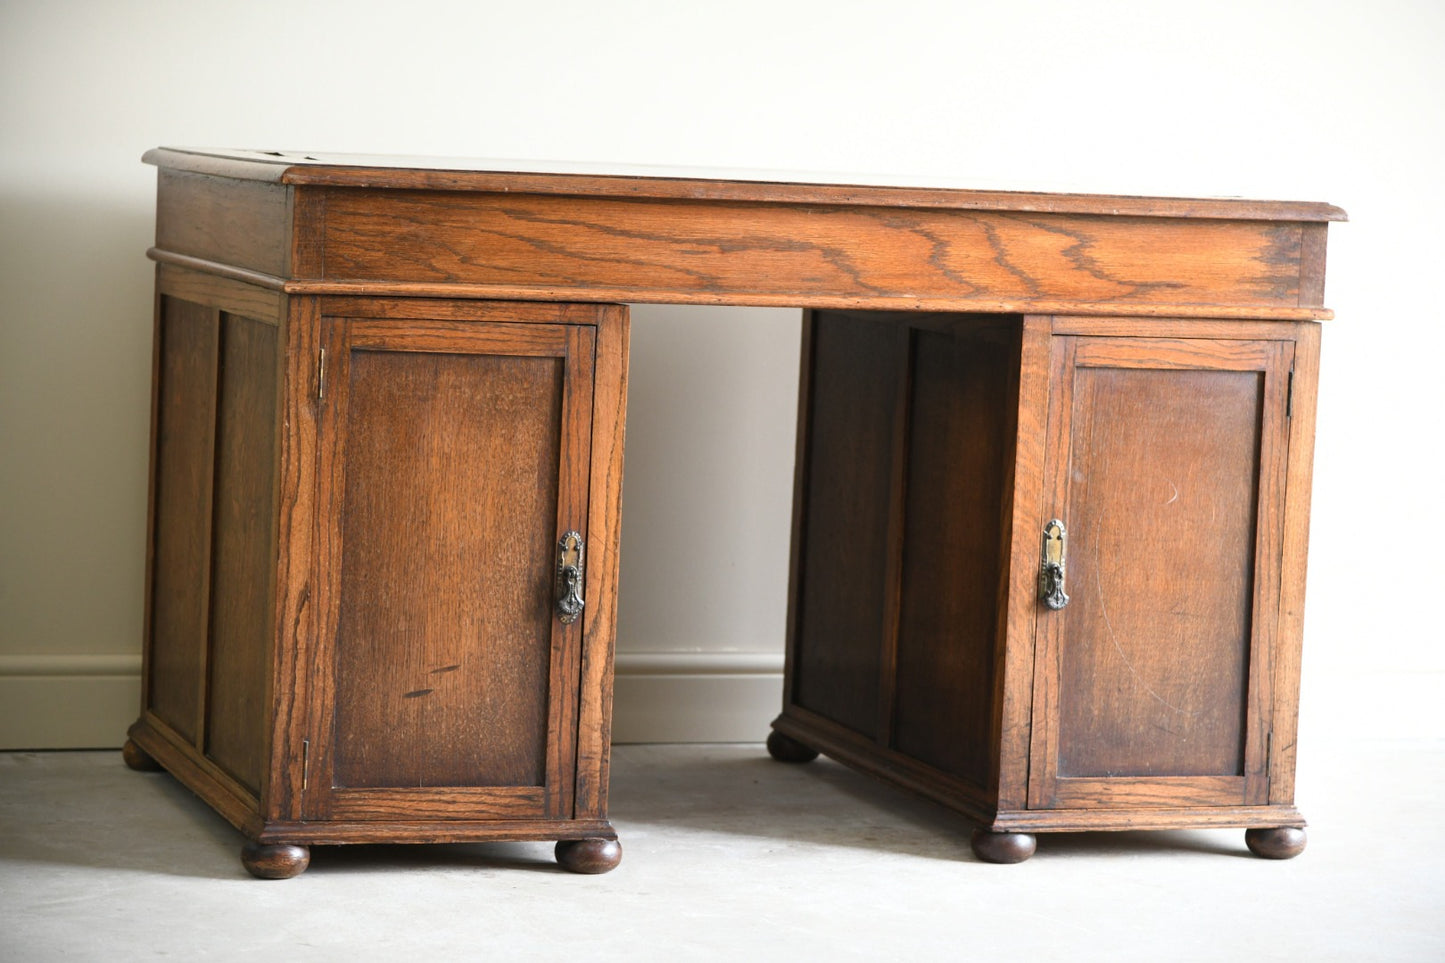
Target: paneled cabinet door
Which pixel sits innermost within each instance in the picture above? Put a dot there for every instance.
(453, 464)
(1166, 472)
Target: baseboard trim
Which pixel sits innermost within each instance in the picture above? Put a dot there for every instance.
(88, 701)
(696, 696)
(69, 665)
(67, 701)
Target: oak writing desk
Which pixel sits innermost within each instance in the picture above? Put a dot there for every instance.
(1050, 515)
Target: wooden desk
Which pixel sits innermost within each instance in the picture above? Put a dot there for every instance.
(1050, 515)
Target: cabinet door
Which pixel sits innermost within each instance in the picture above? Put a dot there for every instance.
(1166, 466)
(454, 459)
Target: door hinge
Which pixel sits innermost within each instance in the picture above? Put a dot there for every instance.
(305, 764)
(1289, 396)
(321, 375)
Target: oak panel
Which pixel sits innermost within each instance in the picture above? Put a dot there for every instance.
(947, 644)
(659, 251)
(1164, 469)
(444, 644)
(463, 174)
(243, 224)
(184, 464)
(843, 600)
(242, 548)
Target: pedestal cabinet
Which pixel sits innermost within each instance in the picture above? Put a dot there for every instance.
(1049, 524)
(426, 486)
(1042, 567)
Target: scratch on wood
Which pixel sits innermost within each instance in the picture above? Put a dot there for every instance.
(445, 668)
(1114, 640)
(416, 693)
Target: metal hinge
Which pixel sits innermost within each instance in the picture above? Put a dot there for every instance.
(305, 763)
(321, 375)
(1289, 396)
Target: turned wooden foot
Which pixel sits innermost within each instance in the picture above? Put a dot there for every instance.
(787, 749)
(589, 855)
(1282, 843)
(281, 861)
(994, 847)
(137, 758)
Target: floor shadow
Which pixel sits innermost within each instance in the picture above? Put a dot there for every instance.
(742, 791)
(88, 810)
(101, 815)
(94, 812)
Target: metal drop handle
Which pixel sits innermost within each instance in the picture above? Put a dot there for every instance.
(1051, 572)
(570, 573)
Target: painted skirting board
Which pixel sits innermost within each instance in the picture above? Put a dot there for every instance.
(67, 701)
(696, 696)
(88, 701)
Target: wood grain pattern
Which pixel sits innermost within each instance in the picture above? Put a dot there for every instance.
(310, 554)
(1170, 816)
(297, 620)
(491, 802)
(454, 454)
(178, 755)
(959, 443)
(235, 297)
(1155, 670)
(240, 223)
(452, 468)
(1294, 554)
(243, 526)
(661, 251)
(274, 862)
(604, 536)
(461, 174)
(184, 467)
(843, 588)
(1154, 673)
(864, 754)
(906, 429)
(798, 521)
(885, 302)
(433, 831)
(1017, 686)
(589, 856)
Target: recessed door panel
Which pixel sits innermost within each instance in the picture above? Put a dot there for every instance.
(458, 458)
(1166, 464)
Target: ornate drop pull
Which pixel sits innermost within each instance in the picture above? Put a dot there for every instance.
(1051, 573)
(569, 578)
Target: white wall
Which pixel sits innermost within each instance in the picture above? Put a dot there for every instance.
(1335, 101)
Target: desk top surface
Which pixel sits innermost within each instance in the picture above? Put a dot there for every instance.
(530, 177)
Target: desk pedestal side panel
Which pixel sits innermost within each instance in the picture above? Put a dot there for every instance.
(212, 530)
(906, 430)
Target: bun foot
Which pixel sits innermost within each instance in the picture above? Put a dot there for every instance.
(994, 847)
(281, 861)
(137, 758)
(1282, 843)
(591, 856)
(787, 749)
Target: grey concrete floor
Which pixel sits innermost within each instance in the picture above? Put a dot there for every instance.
(727, 855)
